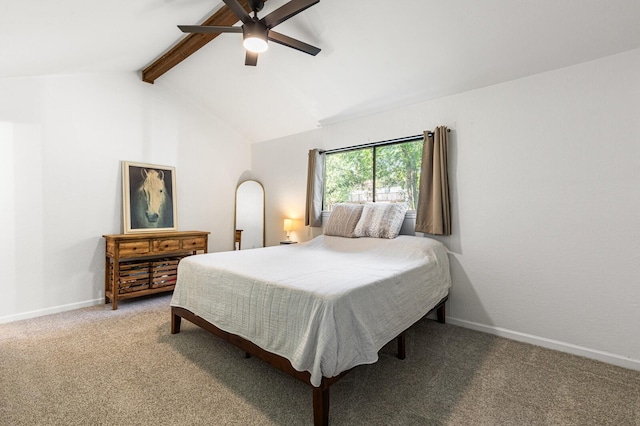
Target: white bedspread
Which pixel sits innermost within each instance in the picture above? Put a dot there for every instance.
(326, 305)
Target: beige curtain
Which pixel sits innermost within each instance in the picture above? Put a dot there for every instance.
(433, 215)
(315, 185)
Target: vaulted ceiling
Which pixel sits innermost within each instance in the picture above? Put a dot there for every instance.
(376, 55)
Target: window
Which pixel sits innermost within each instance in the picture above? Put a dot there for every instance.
(383, 172)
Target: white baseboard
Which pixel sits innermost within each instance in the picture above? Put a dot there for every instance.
(607, 357)
(49, 311)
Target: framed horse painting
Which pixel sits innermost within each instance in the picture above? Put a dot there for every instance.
(149, 198)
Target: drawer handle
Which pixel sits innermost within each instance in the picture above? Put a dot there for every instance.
(166, 245)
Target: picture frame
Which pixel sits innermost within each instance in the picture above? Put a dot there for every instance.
(149, 198)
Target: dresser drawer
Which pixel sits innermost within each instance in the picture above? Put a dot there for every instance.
(166, 245)
(196, 243)
(134, 248)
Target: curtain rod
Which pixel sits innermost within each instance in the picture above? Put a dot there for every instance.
(431, 131)
(381, 143)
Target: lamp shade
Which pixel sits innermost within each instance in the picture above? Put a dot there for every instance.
(288, 225)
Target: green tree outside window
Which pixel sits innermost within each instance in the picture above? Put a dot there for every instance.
(384, 173)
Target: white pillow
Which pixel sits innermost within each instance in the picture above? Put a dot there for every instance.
(381, 220)
(343, 220)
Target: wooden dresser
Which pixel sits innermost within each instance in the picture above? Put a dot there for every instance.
(146, 263)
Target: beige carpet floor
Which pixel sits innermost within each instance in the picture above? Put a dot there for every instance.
(96, 366)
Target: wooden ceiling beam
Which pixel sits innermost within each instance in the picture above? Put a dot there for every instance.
(191, 43)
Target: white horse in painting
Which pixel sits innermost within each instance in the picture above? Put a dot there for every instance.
(151, 203)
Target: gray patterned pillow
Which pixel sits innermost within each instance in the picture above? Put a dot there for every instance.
(381, 220)
(343, 220)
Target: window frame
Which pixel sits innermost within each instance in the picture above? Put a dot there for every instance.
(372, 145)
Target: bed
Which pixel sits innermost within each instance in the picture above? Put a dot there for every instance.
(315, 310)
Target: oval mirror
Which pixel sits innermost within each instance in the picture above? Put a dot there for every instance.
(249, 218)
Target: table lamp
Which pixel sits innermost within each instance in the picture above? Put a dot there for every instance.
(288, 226)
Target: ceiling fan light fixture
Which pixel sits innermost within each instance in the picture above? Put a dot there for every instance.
(255, 37)
(256, 32)
(255, 45)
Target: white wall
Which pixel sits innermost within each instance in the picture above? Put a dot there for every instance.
(545, 184)
(61, 143)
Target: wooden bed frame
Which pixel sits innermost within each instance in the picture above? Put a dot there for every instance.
(320, 393)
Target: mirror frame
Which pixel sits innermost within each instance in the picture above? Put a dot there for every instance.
(235, 211)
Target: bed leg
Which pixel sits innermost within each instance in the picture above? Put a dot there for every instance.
(321, 406)
(440, 313)
(402, 340)
(175, 323)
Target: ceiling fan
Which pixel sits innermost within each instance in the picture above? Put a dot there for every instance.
(256, 31)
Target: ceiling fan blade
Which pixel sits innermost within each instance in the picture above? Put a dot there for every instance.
(251, 59)
(206, 29)
(238, 10)
(287, 11)
(293, 43)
